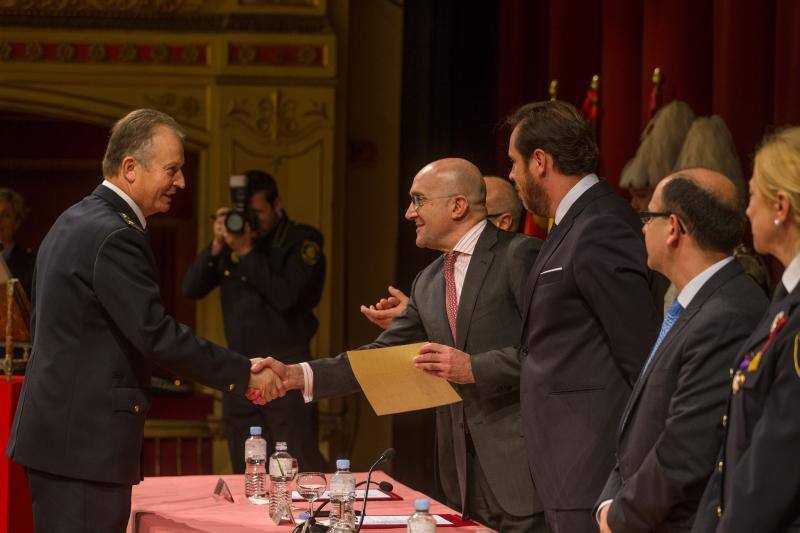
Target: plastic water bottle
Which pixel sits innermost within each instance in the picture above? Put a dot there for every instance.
(343, 494)
(421, 521)
(282, 469)
(255, 473)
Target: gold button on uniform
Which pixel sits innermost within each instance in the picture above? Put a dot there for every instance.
(227, 273)
(721, 466)
(231, 387)
(719, 511)
(244, 279)
(136, 408)
(211, 263)
(724, 421)
(731, 371)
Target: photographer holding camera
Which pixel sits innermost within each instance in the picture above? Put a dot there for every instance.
(270, 271)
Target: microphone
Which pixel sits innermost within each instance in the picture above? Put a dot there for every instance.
(385, 486)
(385, 456)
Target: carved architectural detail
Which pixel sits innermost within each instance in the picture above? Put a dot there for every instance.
(34, 51)
(276, 55)
(186, 107)
(277, 117)
(122, 6)
(97, 52)
(65, 52)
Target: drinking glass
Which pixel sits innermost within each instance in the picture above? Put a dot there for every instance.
(311, 485)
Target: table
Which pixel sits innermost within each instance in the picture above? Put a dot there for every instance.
(184, 504)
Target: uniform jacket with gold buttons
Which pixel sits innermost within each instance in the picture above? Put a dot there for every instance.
(99, 326)
(756, 486)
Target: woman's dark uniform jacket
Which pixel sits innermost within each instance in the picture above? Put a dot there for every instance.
(756, 485)
(99, 327)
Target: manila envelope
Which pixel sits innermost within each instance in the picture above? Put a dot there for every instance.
(392, 383)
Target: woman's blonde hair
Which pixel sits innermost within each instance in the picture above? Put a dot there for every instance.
(777, 168)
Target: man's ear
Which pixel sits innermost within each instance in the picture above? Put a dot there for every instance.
(504, 222)
(128, 169)
(459, 208)
(537, 163)
(674, 232)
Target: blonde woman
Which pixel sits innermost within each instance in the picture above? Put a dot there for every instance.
(756, 485)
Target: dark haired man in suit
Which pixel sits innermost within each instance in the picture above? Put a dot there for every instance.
(669, 434)
(588, 320)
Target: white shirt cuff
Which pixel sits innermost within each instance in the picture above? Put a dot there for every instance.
(604, 503)
(308, 383)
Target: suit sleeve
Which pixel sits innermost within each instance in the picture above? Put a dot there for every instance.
(685, 452)
(202, 276)
(125, 285)
(284, 290)
(497, 371)
(610, 271)
(333, 376)
(766, 487)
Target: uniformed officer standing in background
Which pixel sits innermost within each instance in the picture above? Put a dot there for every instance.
(270, 277)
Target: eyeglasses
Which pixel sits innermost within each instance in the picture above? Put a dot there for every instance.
(419, 200)
(648, 216)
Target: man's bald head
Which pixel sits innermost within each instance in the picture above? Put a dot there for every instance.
(708, 205)
(502, 203)
(454, 176)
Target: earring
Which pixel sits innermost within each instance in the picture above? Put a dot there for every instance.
(776, 222)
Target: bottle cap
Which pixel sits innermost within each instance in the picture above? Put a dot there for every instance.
(280, 446)
(343, 464)
(422, 504)
(255, 430)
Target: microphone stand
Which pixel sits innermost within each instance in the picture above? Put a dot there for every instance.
(385, 456)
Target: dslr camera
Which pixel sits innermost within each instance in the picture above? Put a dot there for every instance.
(240, 214)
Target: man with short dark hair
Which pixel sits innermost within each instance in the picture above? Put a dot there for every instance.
(270, 278)
(98, 328)
(589, 318)
(669, 436)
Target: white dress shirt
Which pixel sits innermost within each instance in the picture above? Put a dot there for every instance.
(791, 275)
(466, 247)
(573, 194)
(129, 201)
(684, 298)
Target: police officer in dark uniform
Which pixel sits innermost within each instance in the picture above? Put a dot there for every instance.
(756, 485)
(270, 278)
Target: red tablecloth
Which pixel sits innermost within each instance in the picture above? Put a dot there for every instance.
(184, 504)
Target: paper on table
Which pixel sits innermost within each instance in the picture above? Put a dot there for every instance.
(392, 383)
(396, 520)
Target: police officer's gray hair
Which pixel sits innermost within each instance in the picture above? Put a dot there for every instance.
(132, 136)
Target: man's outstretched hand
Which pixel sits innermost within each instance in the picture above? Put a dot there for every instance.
(290, 376)
(384, 310)
(265, 384)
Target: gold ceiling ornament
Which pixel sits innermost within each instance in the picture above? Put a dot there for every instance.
(277, 117)
(190, 54)
(97, 52)
(128, 53)
(307, 55)
(160, 53)
(65, 52)
(5, 50)
(247, 54)
(182, 106)
(34, 51)
(66, 7)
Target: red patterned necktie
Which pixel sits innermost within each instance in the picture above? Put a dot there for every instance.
(451, 295)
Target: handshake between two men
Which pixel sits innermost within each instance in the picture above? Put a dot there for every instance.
(271, 379)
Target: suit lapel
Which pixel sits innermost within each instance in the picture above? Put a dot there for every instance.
(479, 264)
(711, 286)
(556, 236)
